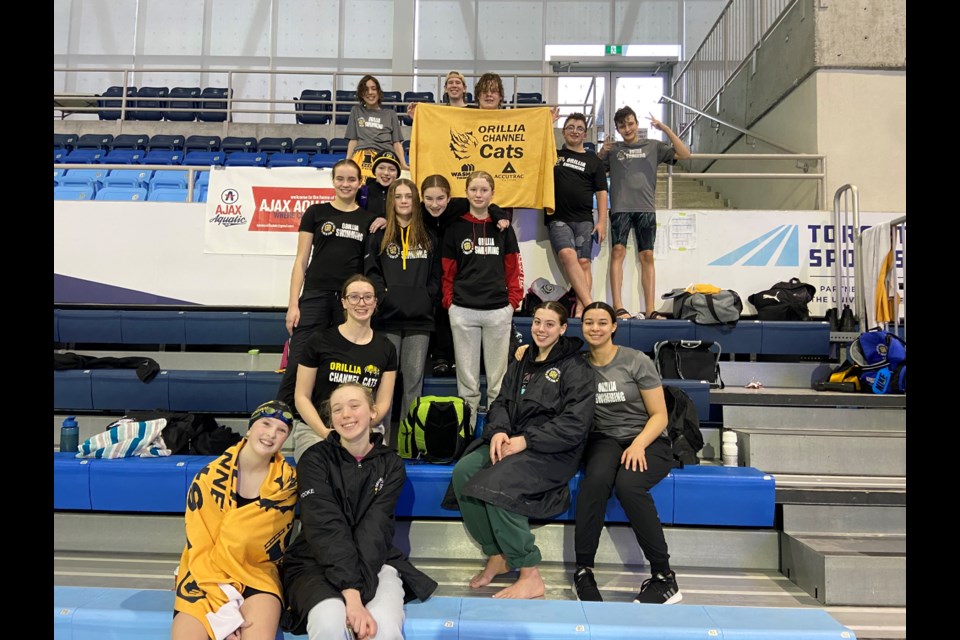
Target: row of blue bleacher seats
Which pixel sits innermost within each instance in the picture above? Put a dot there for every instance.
(699, 495)
(186, 104)
(267, 328)
(128, 185)
(198, 150)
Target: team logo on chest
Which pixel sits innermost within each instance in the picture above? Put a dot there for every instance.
(466, 246)
(552, 374)
(327, 228)
(393, 251)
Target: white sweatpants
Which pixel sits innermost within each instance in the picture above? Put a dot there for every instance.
(328, 619)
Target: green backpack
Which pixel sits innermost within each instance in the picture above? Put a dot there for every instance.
(436, 429)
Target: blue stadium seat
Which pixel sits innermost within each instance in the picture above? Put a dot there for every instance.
(57, 175)
(152, 327)
(307, 113)
(71, 491)
(268, 328)
(123, 156)
(200, 194)
(202, 143)
(213, 327)
(345, 102)
(91, 177)
(72, 390)
(128, 178)
(59, 155)
(325, 160)
(90, 326)
(130, 141)
(393, 100)
(528, 98)
(120, 485)
(213, 98)
(64, 140)
(162, 156)
(169, 180)
(231, 144)
(244, 159)
(168, 195)
(339, 145)
(589, 146)
(795, 338)
(275, 145)
(84, 156)
(73, 192)
(415, 96)
(204, 158)
(203, 179)
(743, 338)
(110, 109)
(151, 98)
(261, 386)
(288, 160)
(165, 142)
(310, 146)
(184, 108)
(101, 141)
(130, 194)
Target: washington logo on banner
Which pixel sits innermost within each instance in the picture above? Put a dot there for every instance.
(252, 210)
(515, 146)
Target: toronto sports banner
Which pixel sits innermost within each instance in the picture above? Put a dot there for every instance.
(515, 146)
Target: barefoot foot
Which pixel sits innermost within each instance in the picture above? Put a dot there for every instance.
(528, 586)
(495, 566)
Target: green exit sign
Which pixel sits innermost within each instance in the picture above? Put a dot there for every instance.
(613, 50)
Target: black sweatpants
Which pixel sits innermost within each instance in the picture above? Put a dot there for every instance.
(441, 340)
(318, 310)
(602, 472)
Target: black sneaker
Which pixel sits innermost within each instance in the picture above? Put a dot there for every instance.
(441, 367)
(660, 589)
(585, 586)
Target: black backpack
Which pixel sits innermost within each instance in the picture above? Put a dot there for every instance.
(784, 301)
(683, 425)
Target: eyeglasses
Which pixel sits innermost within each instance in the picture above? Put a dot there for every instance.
(574, 129)
(355, 299)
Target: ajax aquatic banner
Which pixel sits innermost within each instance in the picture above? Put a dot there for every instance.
(252, 210)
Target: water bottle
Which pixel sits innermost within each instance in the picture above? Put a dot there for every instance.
(730, 450)
(481, 422)
(70, 435)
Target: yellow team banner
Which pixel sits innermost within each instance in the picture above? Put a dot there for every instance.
(515, 146)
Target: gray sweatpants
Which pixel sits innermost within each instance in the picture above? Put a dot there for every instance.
(473, 330)
(328, 619)
(412, 349)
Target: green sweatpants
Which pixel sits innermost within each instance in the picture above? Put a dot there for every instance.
(496, 530)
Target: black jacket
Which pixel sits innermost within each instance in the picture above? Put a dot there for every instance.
(373, 197)
(347, 526)
(554, 414)
(406, 292)
(456, 207)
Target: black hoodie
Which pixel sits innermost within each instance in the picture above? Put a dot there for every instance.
(408, 287)
(347, 527)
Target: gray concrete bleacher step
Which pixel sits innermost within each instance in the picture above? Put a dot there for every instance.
(847, 554)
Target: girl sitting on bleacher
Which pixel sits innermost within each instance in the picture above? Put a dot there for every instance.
(630, 449)
(343, 571)
(520, 466)
(239, 518)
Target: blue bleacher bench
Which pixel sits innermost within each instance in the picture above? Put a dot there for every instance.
(267, 328)
(703, 495)
(94, 613)
(228, 391)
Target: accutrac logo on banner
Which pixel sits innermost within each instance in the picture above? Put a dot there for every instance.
(280, 208)
(780, 247)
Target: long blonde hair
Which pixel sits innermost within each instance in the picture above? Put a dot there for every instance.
(417, 231)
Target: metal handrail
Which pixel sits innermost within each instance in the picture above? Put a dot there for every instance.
(850, 212)
(708, 71)
(745, 132)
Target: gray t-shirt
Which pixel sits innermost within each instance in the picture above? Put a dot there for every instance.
(620, 412)
(373, 128)
(633, 174)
